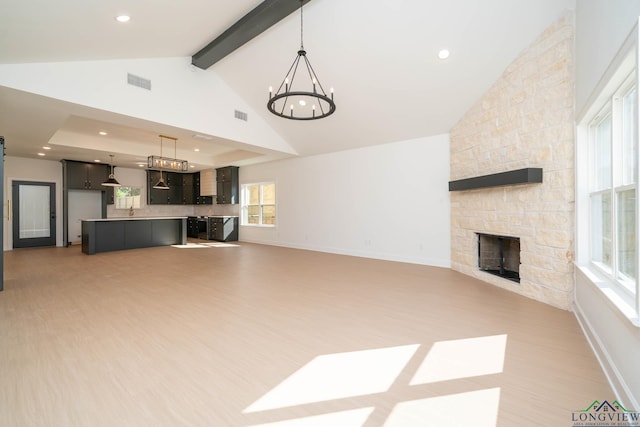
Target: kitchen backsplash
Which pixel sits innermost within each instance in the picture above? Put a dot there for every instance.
(176, 210)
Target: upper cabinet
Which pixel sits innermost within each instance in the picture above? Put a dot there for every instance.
(227, 184)
(188, 187)
(184, 189)
(171, 196)
(174, 181)
(86, 176)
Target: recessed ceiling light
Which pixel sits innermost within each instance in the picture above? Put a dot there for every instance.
(41, 154)
(196, 149)
(443, 54)
(123, 18)
(46, 147)
(97, 161)
(103, 133)
(192, 166)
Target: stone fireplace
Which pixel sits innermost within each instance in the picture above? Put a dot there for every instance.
(526, 120)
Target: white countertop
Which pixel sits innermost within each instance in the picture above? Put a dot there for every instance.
(134, 218)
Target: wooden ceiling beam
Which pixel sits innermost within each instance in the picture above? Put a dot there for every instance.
(249, 26)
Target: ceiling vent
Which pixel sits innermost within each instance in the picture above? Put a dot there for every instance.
(241, 115)
(138, 81)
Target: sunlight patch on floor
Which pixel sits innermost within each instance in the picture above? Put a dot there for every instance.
(205, 245)
(338, 375)
(471, 357)
(352, 418)
(473, 409)
(368, 372)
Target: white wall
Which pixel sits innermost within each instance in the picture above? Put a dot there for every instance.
(388, 202)
(20, 169)
(601, 28)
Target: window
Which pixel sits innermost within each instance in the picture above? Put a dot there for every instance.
(612, 185)
(258, 203)
(128, 197)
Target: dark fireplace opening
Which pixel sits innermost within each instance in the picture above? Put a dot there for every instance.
(499, 255)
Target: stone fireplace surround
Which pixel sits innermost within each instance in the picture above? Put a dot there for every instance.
(525, 120)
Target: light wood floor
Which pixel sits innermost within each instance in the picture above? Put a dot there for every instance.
(249, 335)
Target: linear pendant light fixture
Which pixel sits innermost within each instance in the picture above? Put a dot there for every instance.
(173, 164)
(111, 181)
(302, 99)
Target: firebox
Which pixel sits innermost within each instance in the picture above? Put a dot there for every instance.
(499, 255)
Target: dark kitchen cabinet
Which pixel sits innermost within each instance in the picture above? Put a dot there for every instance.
(193, 227)
(204, 200)
(227, 184)
(85, 176)
(174, 181)
(171, 196)
(155, 196)
(188, 189)
(184, 189)
(223, 228)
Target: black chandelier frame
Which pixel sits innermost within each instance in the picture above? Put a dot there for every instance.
(326, 104)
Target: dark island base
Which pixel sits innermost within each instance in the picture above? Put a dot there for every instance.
(115, 235)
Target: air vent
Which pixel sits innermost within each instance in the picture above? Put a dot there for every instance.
(241, 115)
(200, 136)
(138, 81)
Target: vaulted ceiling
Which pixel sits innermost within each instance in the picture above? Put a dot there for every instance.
(379, 56)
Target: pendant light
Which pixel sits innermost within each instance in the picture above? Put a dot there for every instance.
(304, 99)
(160, 162)
(111, 181)
(161, 185)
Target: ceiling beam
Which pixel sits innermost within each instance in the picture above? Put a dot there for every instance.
(252, 24)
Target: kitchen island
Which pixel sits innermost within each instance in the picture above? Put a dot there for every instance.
(115, 234)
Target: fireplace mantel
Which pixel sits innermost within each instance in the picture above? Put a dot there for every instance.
(514, 177)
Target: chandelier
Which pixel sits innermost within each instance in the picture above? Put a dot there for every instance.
(173, 164)
(301, 100)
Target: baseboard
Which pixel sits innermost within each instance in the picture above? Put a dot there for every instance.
(432, 262)
(620, 389)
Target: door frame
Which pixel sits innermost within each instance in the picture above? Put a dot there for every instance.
(15, 183)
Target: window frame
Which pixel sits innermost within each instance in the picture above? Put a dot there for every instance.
(620, 80)
(613, 108)
(244, 204)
